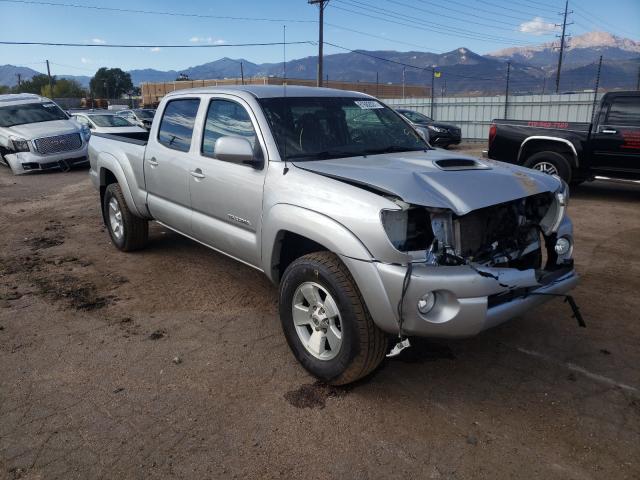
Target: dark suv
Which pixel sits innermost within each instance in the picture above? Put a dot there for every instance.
(440, 134)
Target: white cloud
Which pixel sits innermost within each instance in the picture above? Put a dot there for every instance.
(209, 40)
(156, 49)
(98, 40)
(537, 26)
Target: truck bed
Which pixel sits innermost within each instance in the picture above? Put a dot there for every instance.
(137, 138)
(505, 141)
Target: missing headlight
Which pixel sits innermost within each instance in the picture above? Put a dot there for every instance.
(408, 229)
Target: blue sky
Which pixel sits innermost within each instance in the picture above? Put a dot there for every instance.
(480, 25)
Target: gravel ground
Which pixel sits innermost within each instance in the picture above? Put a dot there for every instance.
(170, 363)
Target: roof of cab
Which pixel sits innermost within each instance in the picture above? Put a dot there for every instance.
(271, 91)
(18, 98)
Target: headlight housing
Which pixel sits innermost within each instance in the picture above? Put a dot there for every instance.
(395, 225)
(19, 144)
(86, 133)
(557, 211)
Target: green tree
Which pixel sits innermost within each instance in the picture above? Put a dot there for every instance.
(35, 85)
(64, 88)
(110, 82)
(4, 89)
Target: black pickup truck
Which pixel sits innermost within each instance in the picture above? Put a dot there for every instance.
(576, 152)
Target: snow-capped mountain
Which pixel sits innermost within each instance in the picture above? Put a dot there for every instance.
(580, 50)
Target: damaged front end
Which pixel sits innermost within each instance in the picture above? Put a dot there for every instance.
(466, 273)
(521, 234)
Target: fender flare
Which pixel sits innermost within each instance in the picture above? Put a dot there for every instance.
(572, 147)
(308, 223)
(107, 162)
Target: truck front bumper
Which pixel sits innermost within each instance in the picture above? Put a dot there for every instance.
(466, 301)
(25, 162)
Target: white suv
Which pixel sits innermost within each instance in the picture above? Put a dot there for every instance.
(36, 134)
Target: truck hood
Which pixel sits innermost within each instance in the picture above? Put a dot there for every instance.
(437, 179)
(32, 131)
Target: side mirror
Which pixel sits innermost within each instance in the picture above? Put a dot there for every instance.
(236, 150)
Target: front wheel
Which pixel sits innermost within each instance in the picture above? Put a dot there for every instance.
(326, 322)
(128, 232)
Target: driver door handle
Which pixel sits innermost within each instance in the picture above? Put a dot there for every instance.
(197, 173)
(609, 131)
(153, 162)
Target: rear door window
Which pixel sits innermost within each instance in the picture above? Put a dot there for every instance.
(176, 127)
(625, 111)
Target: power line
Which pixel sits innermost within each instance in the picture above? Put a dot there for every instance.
(438, 30)
(154, 12)
(432, 26)
(340, 27)
(155, 45)
(461, 12)
(444, 15)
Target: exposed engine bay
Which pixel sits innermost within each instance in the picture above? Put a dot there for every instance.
(510, 234)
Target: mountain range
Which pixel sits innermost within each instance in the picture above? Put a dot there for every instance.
(532, 69)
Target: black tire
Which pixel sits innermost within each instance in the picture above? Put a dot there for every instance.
(363, 343)
(559, 162)
(135, 230)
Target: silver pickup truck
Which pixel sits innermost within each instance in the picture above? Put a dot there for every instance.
(368, 231)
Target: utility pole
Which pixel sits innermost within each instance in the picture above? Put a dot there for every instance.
(321, 4)
(562, 43)
(403, 81)
(544, 84)
(377, 85)
(433, 78)
(19, 75)
(50, 83)
(506, 92)
(241, 73)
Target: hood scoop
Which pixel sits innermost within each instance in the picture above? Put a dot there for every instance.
(460, 164)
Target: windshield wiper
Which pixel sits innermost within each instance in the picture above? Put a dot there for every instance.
(393, 149)
(324, 155)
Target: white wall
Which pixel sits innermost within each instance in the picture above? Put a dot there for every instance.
(474, 114)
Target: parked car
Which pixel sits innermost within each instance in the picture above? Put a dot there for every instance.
(440, 134)
(139, 116)
(36, 134)
(106, 122)
(576, 151)
(367, 230)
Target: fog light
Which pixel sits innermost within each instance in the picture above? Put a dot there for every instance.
(563, 246)
(426, 303)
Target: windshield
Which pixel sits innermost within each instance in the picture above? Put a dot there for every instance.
(30, 113)
(317, 128)
(145, 114)
(415, 116)
(110, 121)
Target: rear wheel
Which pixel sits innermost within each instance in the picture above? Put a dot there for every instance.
(128, 232)
(551, 163)
(326, 322)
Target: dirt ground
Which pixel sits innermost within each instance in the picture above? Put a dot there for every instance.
(170, 363)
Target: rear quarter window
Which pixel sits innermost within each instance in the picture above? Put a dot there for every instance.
(176, 126)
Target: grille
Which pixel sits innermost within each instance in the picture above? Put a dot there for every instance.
(59, 143)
